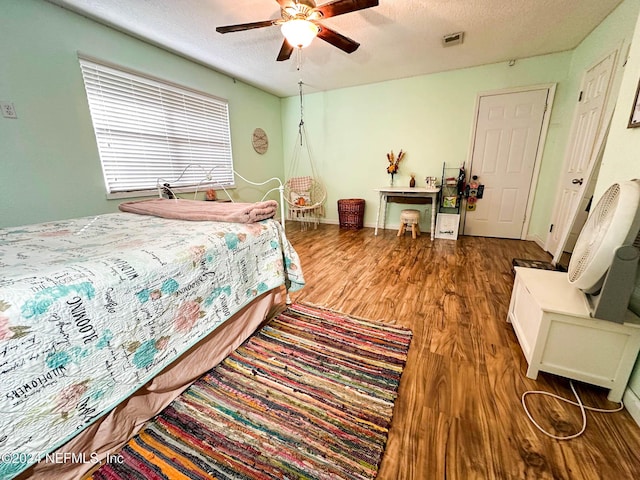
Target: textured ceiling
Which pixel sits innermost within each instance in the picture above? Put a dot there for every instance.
(399, 38)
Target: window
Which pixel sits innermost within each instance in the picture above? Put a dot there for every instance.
(149, 132)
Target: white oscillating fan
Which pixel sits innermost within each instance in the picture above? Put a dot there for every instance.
(604, 261)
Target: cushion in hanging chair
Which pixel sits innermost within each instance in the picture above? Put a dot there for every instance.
(300, 184)
(304, 193)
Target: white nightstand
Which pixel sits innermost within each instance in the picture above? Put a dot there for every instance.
(557, 335)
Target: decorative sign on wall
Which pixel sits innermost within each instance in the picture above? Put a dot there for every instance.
(260, 141)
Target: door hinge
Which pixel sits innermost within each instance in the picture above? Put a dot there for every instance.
(580, 97)
(546, 105)
(551, 228)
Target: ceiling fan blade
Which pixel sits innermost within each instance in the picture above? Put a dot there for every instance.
(245, 26)
(285, 51)
(284, 3)
(337, 39)
(339, 7)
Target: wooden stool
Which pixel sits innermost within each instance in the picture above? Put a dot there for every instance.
(410, 217)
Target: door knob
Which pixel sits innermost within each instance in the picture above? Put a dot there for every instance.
(577, 181)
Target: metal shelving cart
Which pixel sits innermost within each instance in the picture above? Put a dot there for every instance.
(451, 191)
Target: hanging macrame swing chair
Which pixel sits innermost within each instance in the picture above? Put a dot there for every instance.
(304, 195)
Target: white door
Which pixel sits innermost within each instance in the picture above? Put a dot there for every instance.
(505, 149)
(587, 135)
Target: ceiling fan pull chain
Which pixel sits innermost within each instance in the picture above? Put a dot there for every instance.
(298, 58)
(301, 124)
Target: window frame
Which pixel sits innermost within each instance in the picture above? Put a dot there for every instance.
(204, 128)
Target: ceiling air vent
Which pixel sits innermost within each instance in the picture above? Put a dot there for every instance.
(452, 39)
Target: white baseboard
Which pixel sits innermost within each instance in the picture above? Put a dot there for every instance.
(394, 226)
(330, 221)
(632, 404)
(537, 240)
(388, 226)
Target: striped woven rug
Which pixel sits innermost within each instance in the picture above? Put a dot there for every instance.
(309, 396)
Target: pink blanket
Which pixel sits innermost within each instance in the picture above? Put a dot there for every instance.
(181, 209)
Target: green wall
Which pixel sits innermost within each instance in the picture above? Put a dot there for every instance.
(621, 161)
(613, 34)
(431, 117)
(49, 164)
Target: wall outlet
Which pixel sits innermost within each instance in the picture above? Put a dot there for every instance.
(8, 110)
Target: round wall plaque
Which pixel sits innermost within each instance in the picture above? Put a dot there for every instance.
(260, 141)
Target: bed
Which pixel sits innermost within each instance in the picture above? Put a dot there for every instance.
(105, 319)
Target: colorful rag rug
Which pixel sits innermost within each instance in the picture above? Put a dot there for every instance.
(309, 396)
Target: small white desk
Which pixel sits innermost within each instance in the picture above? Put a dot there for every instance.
(415, 195)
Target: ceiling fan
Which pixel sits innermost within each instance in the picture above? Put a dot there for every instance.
(300, 24)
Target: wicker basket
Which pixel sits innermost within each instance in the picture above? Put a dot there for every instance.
(351, 213)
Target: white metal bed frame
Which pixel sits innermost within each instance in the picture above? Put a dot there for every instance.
(164, 186)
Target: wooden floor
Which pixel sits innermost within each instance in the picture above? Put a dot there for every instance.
(459, 414)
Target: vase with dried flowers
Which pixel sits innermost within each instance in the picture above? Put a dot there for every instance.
(394, 163)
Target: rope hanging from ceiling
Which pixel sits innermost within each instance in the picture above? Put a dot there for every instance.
(302, 144)
(304, 194)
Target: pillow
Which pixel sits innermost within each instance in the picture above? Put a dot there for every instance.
(301, 199)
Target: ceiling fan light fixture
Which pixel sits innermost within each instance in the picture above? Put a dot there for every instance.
(299, 33)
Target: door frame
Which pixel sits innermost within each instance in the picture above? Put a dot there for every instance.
(551, 92)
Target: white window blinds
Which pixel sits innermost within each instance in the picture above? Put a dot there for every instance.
(148, 130)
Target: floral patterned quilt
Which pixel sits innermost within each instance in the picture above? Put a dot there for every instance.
(93, 308)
